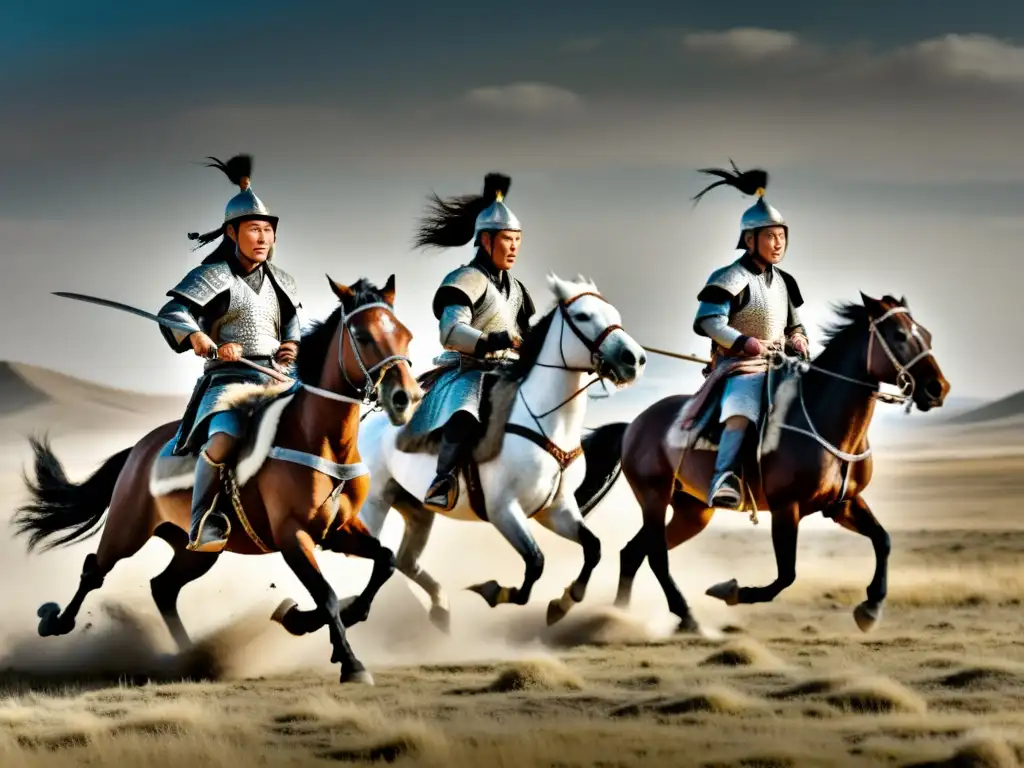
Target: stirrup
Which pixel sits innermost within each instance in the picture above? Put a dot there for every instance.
(448, 501)
(725, 496)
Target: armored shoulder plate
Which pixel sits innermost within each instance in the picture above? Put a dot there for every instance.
(467, 280)
(204, 283)
(732, 279)
(286, 283)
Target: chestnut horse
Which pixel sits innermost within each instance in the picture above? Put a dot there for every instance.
(296, 484)
(820, 460)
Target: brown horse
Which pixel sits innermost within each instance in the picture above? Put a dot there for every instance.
(819, 459)
(297, 483)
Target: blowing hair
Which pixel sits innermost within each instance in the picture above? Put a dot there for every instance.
(451, 222)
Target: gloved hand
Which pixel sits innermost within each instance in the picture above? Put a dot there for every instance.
(495, 342)
(749, 346)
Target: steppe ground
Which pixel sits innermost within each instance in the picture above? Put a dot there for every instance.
(940, 682)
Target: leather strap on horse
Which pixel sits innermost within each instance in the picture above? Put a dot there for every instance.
(564, 458)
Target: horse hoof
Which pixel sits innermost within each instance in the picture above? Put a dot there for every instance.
(867, 615)
(441, 618)
(283, 610)
(359, 676)
(49, 625)
(727, 591)
(352, 616)
(688, 626)
(555, 612)
(489, 591)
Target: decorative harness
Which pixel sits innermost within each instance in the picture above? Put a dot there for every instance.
(538, 437)
(904, 380)
(372, 376)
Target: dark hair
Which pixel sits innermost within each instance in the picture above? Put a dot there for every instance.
(450, 223)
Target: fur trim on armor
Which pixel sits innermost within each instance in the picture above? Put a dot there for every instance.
(250, 395)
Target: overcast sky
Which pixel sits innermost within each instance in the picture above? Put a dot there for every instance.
(893, 138)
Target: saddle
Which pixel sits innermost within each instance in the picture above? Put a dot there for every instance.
(697, 426)
(262, 407)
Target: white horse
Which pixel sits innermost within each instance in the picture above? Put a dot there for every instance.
(537, 466)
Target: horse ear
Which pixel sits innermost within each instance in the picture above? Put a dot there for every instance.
(343, 292)
(388, 291)
(873, 306)
(903, 302)
(557, 286)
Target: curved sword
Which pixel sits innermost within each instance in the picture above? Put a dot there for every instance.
(165, 322)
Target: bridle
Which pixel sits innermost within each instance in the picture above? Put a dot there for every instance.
(599, 365)
(904, 380)
(372, 375)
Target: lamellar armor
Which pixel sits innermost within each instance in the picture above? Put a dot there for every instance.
(739, 301)
(258, 310)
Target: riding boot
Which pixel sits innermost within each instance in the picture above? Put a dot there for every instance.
(210, 527)
(726, 490)
(444, 491)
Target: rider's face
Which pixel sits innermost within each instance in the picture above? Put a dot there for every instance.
(255, 239)
(502, 247)
(771, 244)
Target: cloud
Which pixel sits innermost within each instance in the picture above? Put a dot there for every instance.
(743, 42)
(532, 98)
(971, 57)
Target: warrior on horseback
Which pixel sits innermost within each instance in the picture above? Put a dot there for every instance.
(483, 312)
(240, 305)
(747, 308)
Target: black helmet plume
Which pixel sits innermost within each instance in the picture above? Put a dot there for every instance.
(752, 182)
(452, 222)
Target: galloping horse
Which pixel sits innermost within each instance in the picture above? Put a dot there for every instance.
(298, 481)
(531, 462)
(815, 455)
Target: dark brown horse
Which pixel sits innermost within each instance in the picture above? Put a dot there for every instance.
(820, 460)
(304, 488)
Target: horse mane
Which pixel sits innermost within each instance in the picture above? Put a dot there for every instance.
(853, 318)
(315, 344)
(529, 350)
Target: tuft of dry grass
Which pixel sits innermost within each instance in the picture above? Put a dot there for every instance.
(743, 652)
(537, 675)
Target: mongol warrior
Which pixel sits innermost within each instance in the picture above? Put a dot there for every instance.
(747, 309)
(240, 305)
(483, 312)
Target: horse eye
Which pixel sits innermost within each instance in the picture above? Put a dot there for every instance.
(581, 316)
(901, 335)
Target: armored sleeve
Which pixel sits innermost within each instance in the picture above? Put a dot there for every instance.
(457, 333)
(198, 318)
(719, 298)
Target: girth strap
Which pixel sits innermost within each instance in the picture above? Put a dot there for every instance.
(564, 458)
(341, 472)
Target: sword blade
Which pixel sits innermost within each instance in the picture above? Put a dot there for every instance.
(124, 308)
(163, 321)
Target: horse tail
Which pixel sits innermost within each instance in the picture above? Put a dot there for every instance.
(60, 506)
(602, 449)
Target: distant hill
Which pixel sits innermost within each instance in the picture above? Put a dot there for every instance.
(16, 392)
(1008, 407)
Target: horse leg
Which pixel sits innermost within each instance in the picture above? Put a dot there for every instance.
(856, 516)
(185, 567)
(418, 523)
(514, 526)
(121, 540)
(566, 521)
(689, 517)
(654, 495)
(785, 524)
(354, 539)
(298, 550)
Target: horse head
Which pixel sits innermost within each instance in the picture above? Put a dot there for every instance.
(596, 342)
(900, 352)
(373, 348)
